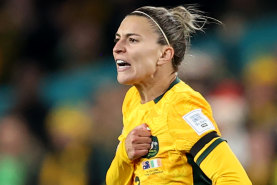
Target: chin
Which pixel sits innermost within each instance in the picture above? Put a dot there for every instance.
(124, 81)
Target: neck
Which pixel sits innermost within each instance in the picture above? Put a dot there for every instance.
(154, 87)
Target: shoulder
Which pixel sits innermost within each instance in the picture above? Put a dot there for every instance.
(183, 98)
(131, 97)
(189, 115)
(131, 92)
(185, 101)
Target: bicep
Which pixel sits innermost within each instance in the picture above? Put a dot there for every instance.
(220, 164)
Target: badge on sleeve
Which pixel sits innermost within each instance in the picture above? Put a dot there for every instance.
(198, 121)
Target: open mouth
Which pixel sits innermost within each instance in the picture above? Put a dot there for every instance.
(122, 63)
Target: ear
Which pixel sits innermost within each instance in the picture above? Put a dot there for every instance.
(166, 56)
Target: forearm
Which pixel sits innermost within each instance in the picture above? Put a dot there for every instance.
(223, 168)
(121, 169)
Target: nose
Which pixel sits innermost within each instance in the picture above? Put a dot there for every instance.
(119, 47)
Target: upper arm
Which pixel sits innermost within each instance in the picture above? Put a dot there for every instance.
(189, 120)
(220, 164)
(195, 132)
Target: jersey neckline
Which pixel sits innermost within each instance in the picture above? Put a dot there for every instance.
(177, 80)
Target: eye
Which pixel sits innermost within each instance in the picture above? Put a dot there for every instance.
(132, 40)
(116, 40)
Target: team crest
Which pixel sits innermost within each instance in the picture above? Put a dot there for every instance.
(137, 181)
(154, 148)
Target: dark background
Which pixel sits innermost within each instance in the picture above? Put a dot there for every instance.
(60, 104)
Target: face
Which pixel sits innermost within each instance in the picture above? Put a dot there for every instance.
(136, 51)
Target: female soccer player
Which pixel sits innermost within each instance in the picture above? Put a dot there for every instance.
(169, 134)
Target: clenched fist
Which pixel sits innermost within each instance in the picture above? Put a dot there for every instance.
(138, 142)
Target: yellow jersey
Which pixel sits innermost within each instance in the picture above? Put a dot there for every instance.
(185, 140)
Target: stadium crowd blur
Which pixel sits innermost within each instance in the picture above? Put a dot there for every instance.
(60, 104)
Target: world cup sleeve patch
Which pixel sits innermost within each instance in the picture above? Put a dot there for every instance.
(198, 121)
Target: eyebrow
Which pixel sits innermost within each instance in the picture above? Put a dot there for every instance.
(129, 34)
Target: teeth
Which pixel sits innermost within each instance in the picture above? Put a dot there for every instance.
(120, 62)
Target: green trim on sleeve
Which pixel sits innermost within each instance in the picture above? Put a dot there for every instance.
(208, 150)
(199, 177)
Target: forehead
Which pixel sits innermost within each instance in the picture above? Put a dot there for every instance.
(135, 24)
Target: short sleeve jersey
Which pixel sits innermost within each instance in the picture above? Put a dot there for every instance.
(181, 122)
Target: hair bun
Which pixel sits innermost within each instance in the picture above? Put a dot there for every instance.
(190, 18)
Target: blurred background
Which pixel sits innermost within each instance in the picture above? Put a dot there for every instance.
(60, 103)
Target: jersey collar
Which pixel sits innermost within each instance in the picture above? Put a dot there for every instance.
(177, 80)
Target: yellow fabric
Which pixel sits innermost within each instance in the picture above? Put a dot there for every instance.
(204, 148)
(121, 170)
(222, 166)
(175, 137)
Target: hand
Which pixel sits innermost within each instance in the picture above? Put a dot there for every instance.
(138, 142)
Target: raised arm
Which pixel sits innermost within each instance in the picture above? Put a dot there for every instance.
(134, 146)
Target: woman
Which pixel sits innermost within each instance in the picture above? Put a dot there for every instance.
(169, 134)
